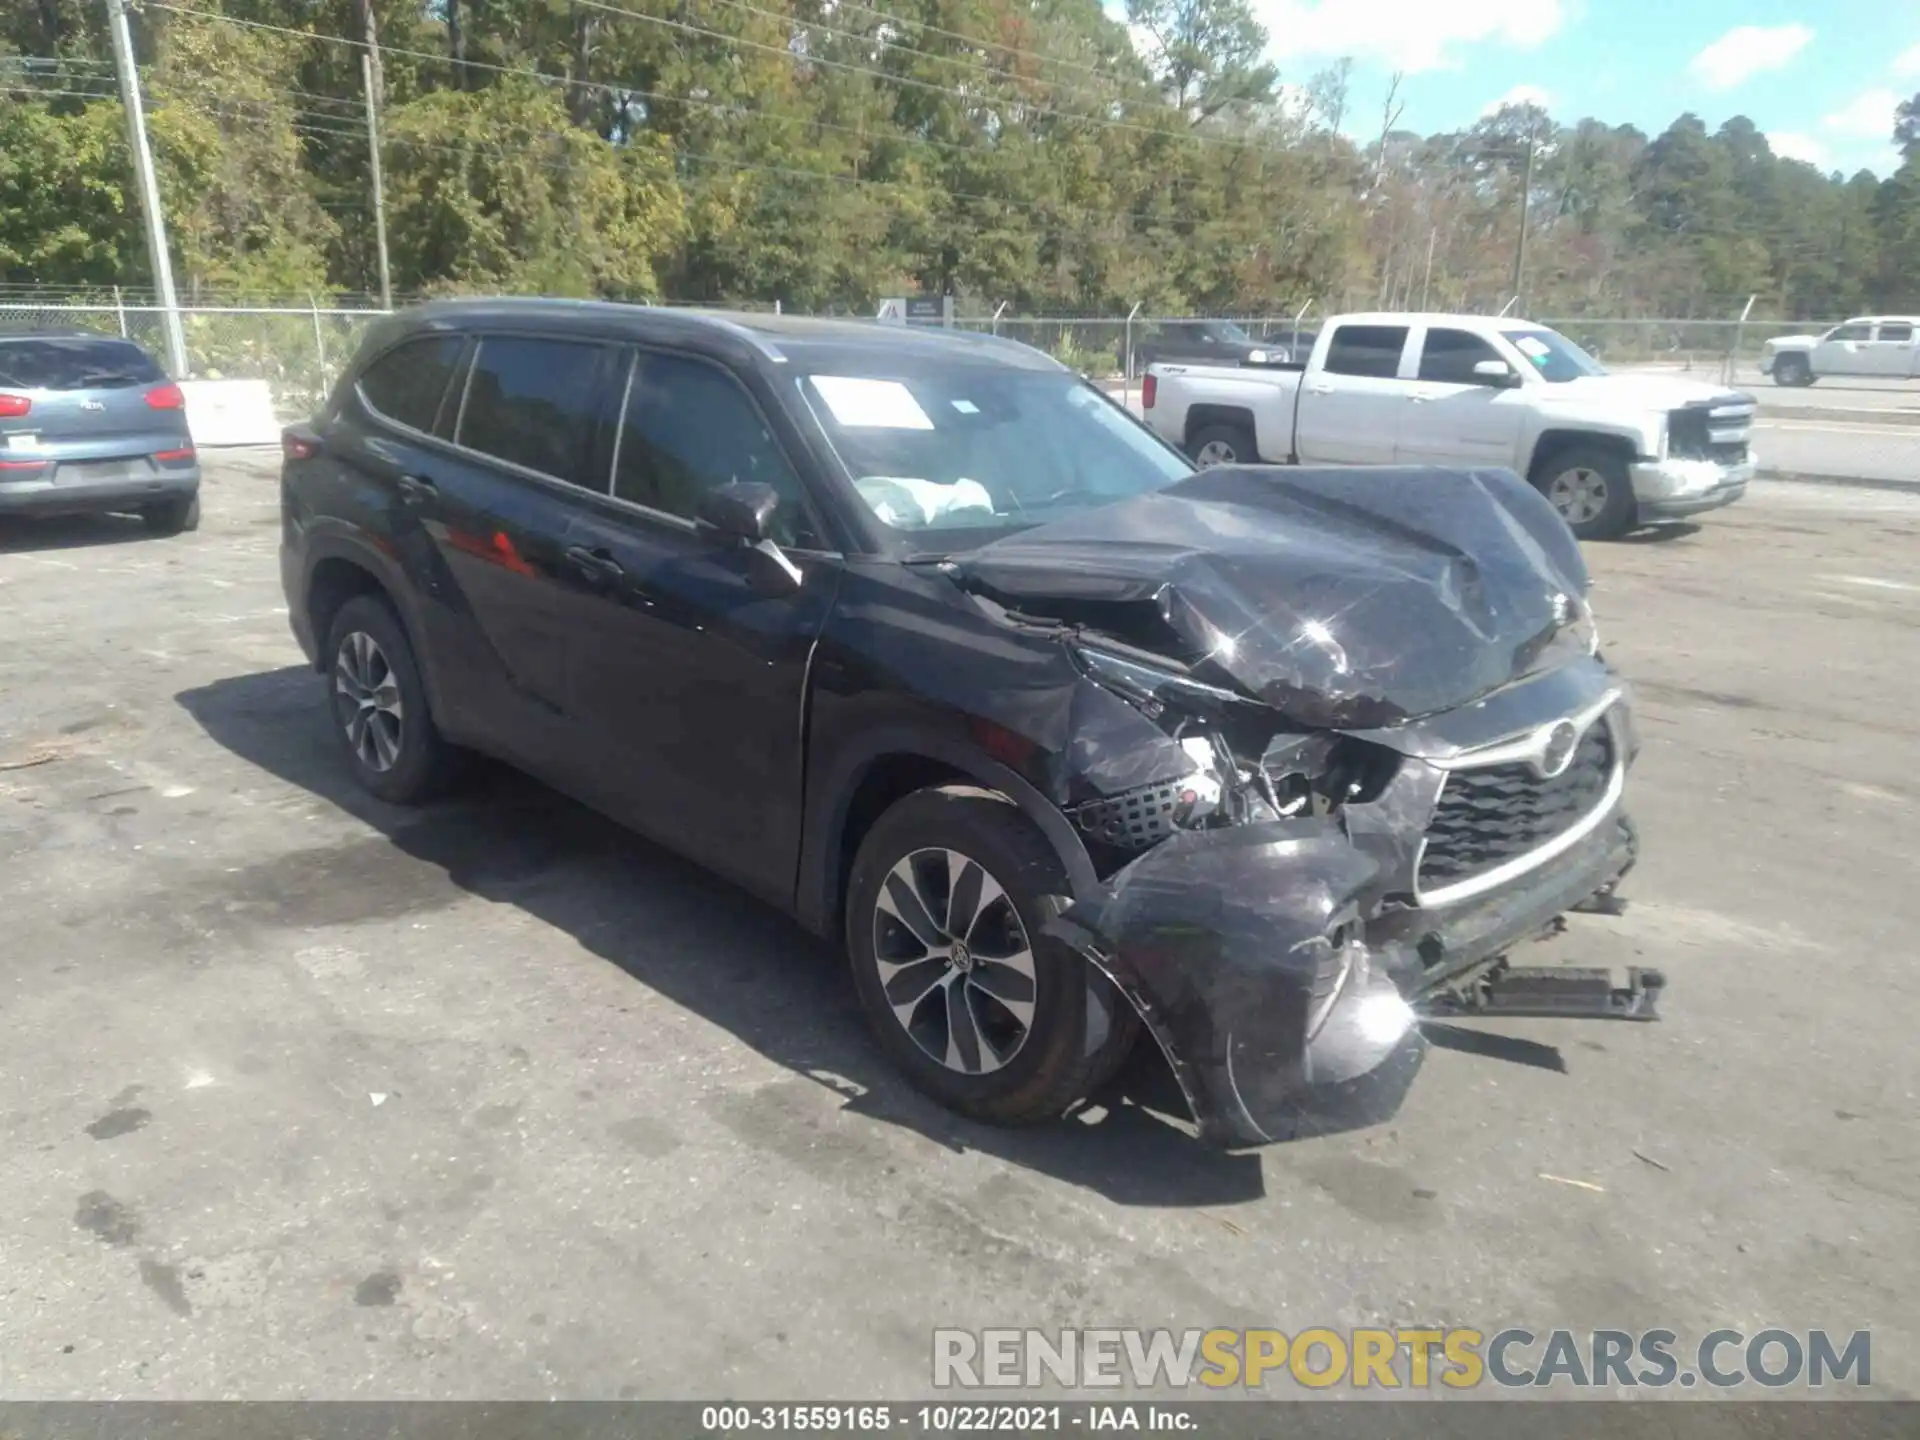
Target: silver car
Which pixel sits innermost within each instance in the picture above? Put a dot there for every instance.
(91, 423)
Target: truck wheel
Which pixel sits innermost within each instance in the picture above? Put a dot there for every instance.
(1792, 370)
(1223, 445)
(1591, 489)
(945, 905)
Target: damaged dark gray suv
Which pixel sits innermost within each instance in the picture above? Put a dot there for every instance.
(924, 639)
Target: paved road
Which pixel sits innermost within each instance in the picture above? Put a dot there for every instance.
(304, 1096)
(1845, 450)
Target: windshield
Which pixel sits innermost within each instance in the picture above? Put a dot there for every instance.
(1556, 358)
(955, 456)
(1230, 331)
(79, 363)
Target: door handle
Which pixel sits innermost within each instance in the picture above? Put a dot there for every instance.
(1419, 399)
(1319, 389)
(416, 490)
(595, 565)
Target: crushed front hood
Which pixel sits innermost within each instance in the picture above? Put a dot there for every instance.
(1348, 598)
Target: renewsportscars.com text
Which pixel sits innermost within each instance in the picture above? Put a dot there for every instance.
(1399, 1359)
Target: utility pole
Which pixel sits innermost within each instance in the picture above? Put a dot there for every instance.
(1526, 196)
(379, 185)
(157, 257)
(374, 88)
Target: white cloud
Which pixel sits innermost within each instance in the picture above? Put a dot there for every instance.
(1907, 62)
(1410, 35)
(1790, 146)
(1868, 116)
(1746, 51)
(1521, 95)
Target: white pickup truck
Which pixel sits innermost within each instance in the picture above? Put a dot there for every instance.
(1610, 451)
(1887, 346)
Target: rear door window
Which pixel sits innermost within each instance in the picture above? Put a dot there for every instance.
(1371, 350)
(408, 382)
(58, 362)
(535, 403)
(1896, 333)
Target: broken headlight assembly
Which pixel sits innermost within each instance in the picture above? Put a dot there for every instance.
(1310, 773)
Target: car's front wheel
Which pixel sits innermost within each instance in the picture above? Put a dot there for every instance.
(1793, 370)
(1591, 489)
(948, 896)
(379, 705)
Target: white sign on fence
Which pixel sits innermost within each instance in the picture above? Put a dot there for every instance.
(893, 312)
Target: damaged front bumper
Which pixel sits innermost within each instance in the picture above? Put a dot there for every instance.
(1285, 992)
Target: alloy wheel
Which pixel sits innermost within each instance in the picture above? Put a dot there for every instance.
(1215, 452)
(367, 696)
(955, 961)
(1579, 494)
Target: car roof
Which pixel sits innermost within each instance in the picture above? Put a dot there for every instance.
(1436, 317)
(776, 337)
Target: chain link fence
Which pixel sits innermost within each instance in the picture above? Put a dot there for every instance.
(299, 350)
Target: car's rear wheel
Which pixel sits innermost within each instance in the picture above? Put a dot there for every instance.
(1793, 370)
(945, 907)
(173, 516)
(379, 706)
(1223, 445)
(1591, 489)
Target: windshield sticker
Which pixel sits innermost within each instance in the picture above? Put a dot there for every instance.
(966, 407)
(1533, 348)
(871, 404)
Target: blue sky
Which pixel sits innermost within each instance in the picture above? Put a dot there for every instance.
(1820, 78)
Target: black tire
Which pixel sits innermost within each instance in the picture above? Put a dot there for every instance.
(1227, 444)
(420, 763)
(1590, 487)
(1056, 1061)
(1793, 370)
(174, 516)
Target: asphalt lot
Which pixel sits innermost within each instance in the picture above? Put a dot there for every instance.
(305, 1097)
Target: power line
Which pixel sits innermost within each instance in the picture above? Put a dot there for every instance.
(624, 91)
(1108, 93)
(1033, 207)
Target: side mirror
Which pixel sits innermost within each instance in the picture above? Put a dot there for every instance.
(1496, 373)
(742, 512)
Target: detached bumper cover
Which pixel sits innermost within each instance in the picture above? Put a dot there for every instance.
(1262, 962)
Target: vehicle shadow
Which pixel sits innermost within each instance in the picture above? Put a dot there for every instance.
(709, 947)
(20, 534)
(1663, 534)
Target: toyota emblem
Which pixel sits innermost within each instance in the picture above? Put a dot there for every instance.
(1556, 752)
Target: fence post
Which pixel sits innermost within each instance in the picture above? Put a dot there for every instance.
(998, 311)
(1293, 341)
(120, 309)
(319, 343)
(1126, 380)
(1739, 334)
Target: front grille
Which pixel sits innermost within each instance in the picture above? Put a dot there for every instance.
(1717, 430)
(1490, 816)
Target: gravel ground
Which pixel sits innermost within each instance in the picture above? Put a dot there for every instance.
(307, 1097)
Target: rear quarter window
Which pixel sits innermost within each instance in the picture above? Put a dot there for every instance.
(408, 382)
(75, 363)
(1371, 350)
